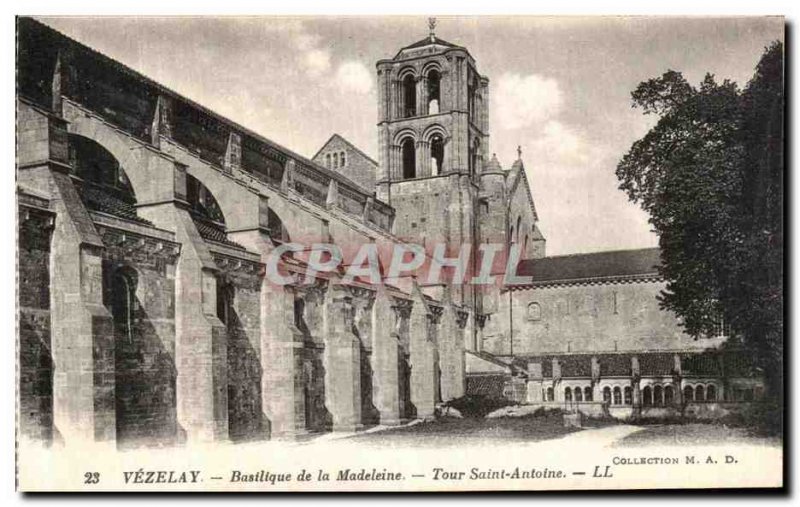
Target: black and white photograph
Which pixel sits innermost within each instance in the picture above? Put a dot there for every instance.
(399, 253)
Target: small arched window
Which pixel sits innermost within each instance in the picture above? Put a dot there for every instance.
(617, 396)
(647, 396)
(342, 159)
(628, 395)
(669, 396)
(534, 311)
(699, 394)
(567, 394)
(711, 393)
(578, 394)
(519, 223)
(336, 161)
(550, 394)
(607, 394)
(123, 303)
(328, 160)
(688, 394)
(587, 393)
(409, 153)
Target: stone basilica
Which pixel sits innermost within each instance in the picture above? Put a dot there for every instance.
(144, 224)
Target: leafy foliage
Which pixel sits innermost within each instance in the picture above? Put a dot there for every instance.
(710, 175)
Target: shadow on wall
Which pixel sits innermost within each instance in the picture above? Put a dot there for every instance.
(246, 420)
(145, 382)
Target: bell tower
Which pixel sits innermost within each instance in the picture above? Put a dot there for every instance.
(433, 136)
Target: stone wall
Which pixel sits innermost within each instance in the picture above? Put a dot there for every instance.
(34, 347)
(585, 318)
(357, 167)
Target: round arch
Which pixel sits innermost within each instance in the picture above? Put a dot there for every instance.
(401, 135)
(127, 152)
(408, 70)
(436, 65)
(434, 130)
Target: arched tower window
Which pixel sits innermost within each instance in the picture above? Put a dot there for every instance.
(409, 152)
(437, 155)
(336, 161)
(342, 159)
(434, 96)
(409, 96)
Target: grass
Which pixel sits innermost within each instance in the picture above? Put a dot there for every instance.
(472, 430)
(694, 434)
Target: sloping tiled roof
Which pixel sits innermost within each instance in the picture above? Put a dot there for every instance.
(486, 385)
(659, 363)
(97, 198)
(210, 231)
(599, 265)
(703, 364)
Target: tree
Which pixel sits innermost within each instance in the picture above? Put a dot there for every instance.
(710, 175)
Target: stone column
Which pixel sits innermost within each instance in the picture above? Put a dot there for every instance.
(342, 361)
(677, 380)
(597, 393)
(423, 394)
(282, 363)
(451, 352)
(423, 159)
(445, 91)
(397, 163)
(385, 329)
(200, 352)
(422, 96)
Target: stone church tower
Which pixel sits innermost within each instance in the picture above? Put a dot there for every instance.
(433, 125)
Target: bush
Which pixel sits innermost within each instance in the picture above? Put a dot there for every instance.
(763, 419)
(477, 406)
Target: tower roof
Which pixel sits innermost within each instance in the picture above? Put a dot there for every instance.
(431, 41)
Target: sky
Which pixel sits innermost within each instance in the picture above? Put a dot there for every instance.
(559, 88)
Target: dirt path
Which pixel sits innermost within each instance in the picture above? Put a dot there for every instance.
(596, 437)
